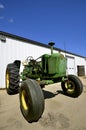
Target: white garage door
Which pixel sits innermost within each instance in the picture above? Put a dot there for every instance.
(70, 65)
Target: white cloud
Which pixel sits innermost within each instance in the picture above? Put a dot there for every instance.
(1, 17)
(10, 20)
(1, 6)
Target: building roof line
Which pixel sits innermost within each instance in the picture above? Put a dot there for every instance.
(35, 42)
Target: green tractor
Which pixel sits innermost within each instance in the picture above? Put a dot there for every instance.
(47, 69)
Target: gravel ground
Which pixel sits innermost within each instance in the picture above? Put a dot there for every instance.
(61, 112)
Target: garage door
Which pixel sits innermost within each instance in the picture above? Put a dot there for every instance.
(70, 65)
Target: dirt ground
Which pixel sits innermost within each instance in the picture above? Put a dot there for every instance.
(61, 112)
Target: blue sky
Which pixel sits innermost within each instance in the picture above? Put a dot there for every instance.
(61, 21)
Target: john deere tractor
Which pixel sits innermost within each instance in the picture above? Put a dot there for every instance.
(47, 69)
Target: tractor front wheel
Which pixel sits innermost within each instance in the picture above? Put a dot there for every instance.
(31, 100)
(72, 87)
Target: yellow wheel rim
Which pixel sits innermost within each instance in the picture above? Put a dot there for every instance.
(24, 100)
(7, 79)
(70, 86)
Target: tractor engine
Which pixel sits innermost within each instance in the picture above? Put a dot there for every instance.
(54, 64)
(31, 69)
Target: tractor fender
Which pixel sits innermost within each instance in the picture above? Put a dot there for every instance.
(18, 63)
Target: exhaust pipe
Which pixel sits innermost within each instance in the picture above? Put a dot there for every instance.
(51, 44)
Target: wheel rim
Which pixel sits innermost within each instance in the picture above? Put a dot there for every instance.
(24, 100)
(7, 80)
(70, 86)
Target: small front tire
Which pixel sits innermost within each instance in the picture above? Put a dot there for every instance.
(72, 87)
(31, 100)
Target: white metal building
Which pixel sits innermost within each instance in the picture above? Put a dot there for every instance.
(14, 47)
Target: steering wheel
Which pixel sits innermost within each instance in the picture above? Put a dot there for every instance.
(29, 58)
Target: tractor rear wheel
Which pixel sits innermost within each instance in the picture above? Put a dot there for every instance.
(31, 100)
(72, 87)
(12, 78)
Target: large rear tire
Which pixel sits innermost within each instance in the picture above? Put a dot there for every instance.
(12, 78)
(31, 100)
(72, 87)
